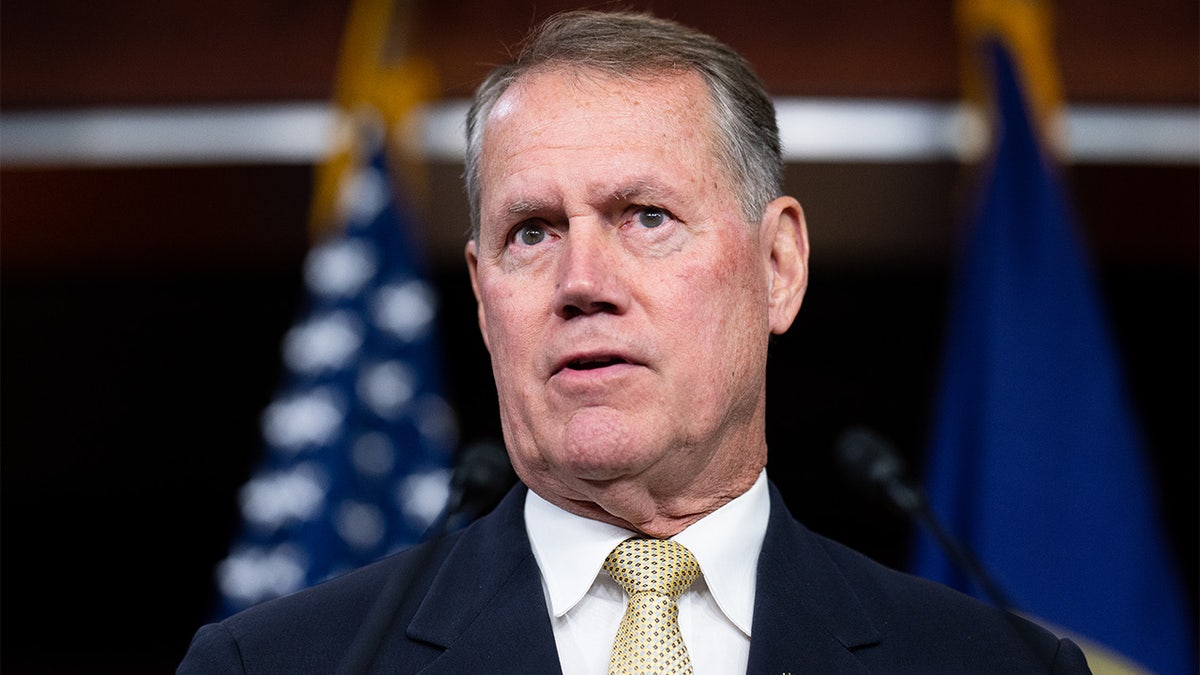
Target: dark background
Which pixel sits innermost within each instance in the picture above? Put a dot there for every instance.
(142, 307)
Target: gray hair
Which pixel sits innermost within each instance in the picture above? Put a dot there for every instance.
(630, 44)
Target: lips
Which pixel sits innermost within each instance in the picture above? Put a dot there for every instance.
(593, 363)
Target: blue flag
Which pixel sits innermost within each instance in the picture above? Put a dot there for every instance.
(1036, 461)
(359, 440)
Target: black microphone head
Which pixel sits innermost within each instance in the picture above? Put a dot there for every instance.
(866, 458)
(481, 476)
(872, 465)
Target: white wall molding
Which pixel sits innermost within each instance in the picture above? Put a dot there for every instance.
(827, 130)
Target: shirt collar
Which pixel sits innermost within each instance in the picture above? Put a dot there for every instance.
(571, 549)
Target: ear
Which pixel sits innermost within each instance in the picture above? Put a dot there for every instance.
(472, 255)
(786, 234)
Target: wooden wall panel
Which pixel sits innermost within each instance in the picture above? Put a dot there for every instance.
(63, 53)
(152, 219)
(144, 52)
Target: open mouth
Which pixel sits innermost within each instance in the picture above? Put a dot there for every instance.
(594, 363)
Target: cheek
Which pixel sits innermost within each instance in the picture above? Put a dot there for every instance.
(728, 320)
(496, 303)
(510, 330)
(729, 290)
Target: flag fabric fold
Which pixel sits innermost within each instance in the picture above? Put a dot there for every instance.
(1035, 458)
(359, 440)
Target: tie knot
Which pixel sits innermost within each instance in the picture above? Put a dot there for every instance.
(655, 565)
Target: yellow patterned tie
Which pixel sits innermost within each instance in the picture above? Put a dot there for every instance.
(654, 573)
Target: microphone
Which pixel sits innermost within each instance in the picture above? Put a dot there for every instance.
(482, 474)
(871, 464)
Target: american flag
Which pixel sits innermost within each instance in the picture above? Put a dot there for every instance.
(358, 440)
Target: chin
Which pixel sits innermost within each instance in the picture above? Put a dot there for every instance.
(595, 463)
(604, 448)
(600, 464)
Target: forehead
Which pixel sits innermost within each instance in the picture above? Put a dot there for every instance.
(615, 124)
(549, 98)
(581, 85)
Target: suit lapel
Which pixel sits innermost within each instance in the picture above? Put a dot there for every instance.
(806, 616)
(486, 606)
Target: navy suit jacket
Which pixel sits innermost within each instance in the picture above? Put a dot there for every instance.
(475, 604)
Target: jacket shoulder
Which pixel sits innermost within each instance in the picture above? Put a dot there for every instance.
(307, 631)
(936, 628)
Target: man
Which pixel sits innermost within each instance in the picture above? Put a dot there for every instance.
(632, 254)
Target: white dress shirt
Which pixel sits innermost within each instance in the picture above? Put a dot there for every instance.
(586, 605)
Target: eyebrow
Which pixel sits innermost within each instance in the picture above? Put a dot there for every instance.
(522, 207)
(637, 190)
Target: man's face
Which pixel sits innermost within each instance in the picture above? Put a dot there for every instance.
(623, 298)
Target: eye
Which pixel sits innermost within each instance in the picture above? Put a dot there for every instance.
(529, 234)
(651, 216)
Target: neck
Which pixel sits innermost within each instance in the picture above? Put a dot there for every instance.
(634, 507)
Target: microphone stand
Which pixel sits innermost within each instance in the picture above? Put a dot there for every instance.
(961, 556)
(361, 655)
(480, 476)
(872, 464)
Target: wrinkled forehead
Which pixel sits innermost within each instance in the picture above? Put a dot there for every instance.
(551, 95)
(581, 82)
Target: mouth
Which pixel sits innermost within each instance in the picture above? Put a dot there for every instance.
(593, 363)
(585, 361)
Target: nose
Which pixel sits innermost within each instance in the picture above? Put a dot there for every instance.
(590, 275)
